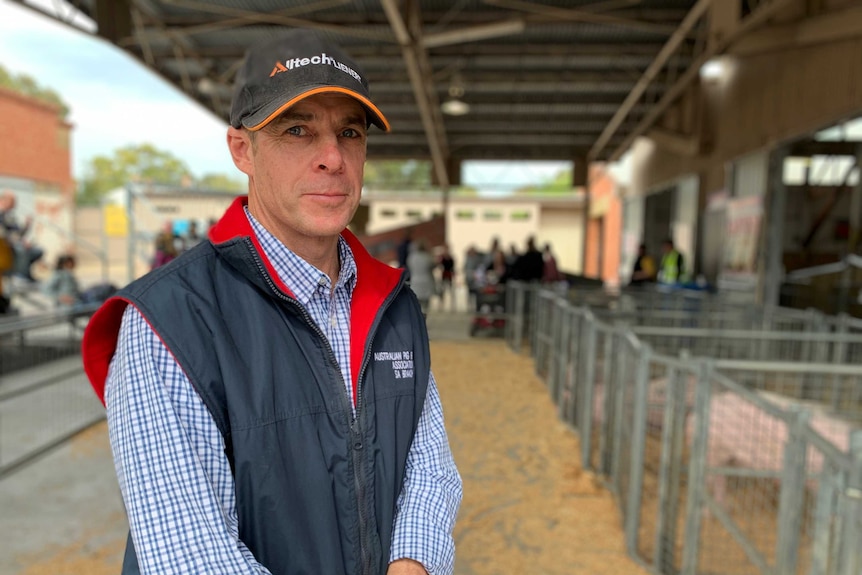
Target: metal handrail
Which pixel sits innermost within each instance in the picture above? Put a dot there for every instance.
(17, 324)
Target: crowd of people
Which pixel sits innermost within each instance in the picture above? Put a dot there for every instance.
(496, 267)
(433, 274)
(19, 255)
(169, 244)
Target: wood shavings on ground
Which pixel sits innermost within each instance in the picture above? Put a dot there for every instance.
(528, 509)
(528, 506)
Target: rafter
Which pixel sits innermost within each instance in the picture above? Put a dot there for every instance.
(252, 16)
(580, 15)
(764, 12)
(410, 48)
(670, 47)
(216, 25)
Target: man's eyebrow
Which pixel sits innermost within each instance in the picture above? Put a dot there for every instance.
(291, 116)
(354, 119)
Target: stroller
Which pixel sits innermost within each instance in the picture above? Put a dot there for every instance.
(490, 316)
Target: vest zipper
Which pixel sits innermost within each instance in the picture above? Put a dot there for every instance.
(356, 447)
(359, 484)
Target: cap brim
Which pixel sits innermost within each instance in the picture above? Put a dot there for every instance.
(375, 116)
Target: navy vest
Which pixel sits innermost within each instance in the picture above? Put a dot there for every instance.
(316, 488)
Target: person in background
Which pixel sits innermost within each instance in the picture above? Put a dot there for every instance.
(550, 271)
(497, 272)
(644, 270)
(192, 237)
(512, 256)
(489, 255)
(447, 277)
(530, 266)
(62, 286)
(404, 249)
(165, 246)
(270, 402)
(24, 252)
(671, 267)
(420, 264)
(473, 262)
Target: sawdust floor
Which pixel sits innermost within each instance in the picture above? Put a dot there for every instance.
(528, 506)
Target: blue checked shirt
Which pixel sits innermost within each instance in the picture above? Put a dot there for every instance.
(169, 455)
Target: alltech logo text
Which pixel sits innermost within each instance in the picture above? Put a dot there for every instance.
(294, 63)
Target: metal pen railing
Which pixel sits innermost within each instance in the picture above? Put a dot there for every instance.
(713, 472)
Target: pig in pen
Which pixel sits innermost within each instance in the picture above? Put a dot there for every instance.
(744, 450)
(634, 405)
(768, 461)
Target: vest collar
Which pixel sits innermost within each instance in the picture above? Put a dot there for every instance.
(375, 281)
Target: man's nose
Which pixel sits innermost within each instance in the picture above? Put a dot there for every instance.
(329, 155)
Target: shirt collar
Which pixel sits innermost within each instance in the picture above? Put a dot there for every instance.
(301, 277)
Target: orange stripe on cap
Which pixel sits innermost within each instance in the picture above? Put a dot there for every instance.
(325, 89)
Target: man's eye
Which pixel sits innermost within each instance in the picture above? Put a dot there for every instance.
(294, 131)
(351, 133)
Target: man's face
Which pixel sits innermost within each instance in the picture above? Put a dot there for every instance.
(305, 168)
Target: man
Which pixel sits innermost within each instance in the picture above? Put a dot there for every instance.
(270, 402)
(24, 252)
(531, 264)
(670, 268)
(643, 271)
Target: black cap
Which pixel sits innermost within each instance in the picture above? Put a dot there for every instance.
(279, 73)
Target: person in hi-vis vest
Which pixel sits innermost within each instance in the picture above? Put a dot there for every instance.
(671, 267)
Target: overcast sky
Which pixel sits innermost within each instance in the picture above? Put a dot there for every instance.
(115, 101)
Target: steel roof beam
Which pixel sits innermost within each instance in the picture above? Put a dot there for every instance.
(694, 15)
(244, 20)
(410, 48)
(765, 10)
(474, 33)
(580, 15)
(270, 18)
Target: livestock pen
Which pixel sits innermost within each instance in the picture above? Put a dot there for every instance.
(729, 450)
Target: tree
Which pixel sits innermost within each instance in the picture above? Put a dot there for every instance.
(24, 84)
(560, 183)
(221, 183)
(143, 163)
(397, 173)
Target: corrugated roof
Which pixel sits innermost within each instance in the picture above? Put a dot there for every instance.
(544, 80)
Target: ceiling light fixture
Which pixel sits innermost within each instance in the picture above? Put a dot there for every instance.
(454, 105)
(712, 69)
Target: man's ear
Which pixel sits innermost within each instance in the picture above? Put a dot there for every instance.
(239, 144)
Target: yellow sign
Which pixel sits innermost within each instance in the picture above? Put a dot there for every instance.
(115, 221)
(599, 206)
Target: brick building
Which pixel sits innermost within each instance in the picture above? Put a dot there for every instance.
(35, 164)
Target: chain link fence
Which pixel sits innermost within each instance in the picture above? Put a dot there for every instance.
(728, 451)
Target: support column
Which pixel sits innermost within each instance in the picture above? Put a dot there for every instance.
(856, 207)
(453, 173)
(723, 20)
(855, 221)
(772, 270)
(580, 178)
